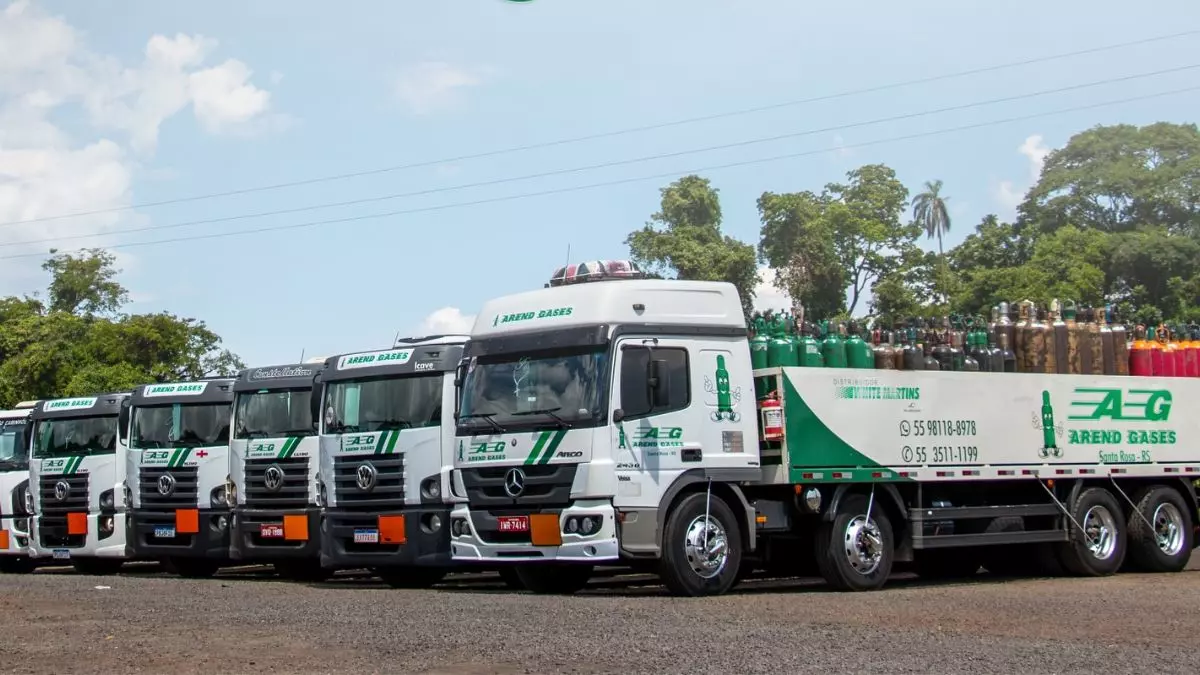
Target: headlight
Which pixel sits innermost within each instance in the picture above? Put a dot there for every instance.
(431, 488)
(219, 496)
(107, 499)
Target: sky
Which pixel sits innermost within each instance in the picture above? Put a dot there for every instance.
(113, 107)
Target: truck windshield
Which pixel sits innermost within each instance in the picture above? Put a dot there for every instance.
(269, 413)
(180, 425)
(75, 436)
(389, 402)
(562, 387)
(13, 453)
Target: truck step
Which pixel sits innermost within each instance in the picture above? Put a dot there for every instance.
(988, 538)
(932, 514)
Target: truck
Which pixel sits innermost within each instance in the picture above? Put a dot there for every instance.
(387, 438)
(276, 461)
(77, 478)
(16, 501)
(613, 419)
(178, 474)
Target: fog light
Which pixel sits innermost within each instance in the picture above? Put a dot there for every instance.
(435, 523)
(106, 524)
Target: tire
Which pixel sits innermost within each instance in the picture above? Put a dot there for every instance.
(97, 566)
(15, 565)
(954, 563)
(410, 577)
(1167, 546)
(684, 568)
(554, 579)
(511, 579)
(1100, 549)
(193, 568)
(302, 570)
(832, 539)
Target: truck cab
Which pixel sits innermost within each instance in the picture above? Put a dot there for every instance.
(178, 469)
(16, 501)
(587, 409)
(387, 440)
(77, 473)
(276, 460)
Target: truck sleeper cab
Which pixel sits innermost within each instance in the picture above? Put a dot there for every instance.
(386, 451)
(77, 473)
(275, 461)
(16, 502)
(179, 474)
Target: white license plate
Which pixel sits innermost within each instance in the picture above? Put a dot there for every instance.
(366, 536)
(164, 532)
(270, 531)
(62, 554)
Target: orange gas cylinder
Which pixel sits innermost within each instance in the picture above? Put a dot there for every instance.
(1191, 353)
(1141, 363)
(1158, 364)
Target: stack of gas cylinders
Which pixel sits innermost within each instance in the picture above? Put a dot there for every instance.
(1060, 338)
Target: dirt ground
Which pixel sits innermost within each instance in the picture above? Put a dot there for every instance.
(244, 621)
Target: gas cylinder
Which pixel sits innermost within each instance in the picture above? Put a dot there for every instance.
(858, 352)
(1191, 352)
(1120, 341)
(1093, 354)
(941, 347)
(1071, 338)
(929, 361)
(759, 344)
(885, 350)
(779, 349)
(1175, 350)
(1056, 339)
(1107, 348)
(833, 348)
(810, 350)
(772, 417)
(970, 350)
(1006, 326)
(1157, 366)
(898, 341)
(1141, 363)
(1024, 337)
(978, 347)
(1007, 356)
(1165, 361)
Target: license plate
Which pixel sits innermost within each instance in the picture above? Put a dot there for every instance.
(513, 523)
(366, 536)
(62, 554)
(164, 532)
(271, 531)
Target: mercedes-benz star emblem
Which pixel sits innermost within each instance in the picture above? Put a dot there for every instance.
(62, 490)
(273, 478)
(514, 483)
(365, 477)
(166, 484)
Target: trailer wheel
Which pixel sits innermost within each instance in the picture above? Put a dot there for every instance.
(700, 557)
(192, 568)
(97, 566)
(854, 553)
(1099, 549)
(554, 578)
(410, 577)
(1166, 546)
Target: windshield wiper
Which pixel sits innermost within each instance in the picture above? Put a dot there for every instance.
(341, 428)
(388, 425)
(487, 417)
(546, 411)
(251, 434)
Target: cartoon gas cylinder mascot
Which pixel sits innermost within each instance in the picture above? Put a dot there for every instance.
(1045, 422)
(725, 398)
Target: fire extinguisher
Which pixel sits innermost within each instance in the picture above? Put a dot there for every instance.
(772, 417)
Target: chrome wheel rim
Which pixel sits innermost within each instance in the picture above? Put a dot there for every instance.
(863, 545)
(1100, 532)
(706, 546)
(1168, 528)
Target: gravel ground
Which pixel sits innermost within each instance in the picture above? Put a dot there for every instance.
(55, 621)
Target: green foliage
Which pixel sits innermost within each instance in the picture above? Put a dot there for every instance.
(690, 244)
(80, 344)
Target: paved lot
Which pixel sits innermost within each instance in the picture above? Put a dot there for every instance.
(55, 621)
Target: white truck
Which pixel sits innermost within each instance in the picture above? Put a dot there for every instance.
(76, 475)
(616, 423)
(387, 440)
(16, 501)
(178, 474)
(276, 460)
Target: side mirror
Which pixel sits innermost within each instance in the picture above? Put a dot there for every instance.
(618, 415)
(658, 380)
(123, 420)
(314, 403)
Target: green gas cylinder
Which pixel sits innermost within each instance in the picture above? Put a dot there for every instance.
(810, 349)
(858, 351)
(833, 349)
(779, 349)
(759, 344)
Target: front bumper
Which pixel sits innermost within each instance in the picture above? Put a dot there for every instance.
(287, 535)
(420, 545)
(485, 542)
(174, 534)
(53, 538)
(15, 541)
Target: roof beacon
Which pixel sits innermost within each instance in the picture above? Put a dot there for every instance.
(595, 270)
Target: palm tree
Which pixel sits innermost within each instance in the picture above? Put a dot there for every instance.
(929, 210)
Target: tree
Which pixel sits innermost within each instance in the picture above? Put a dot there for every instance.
(690, 244)
(929, 211)
(796, 241)
(84, 284)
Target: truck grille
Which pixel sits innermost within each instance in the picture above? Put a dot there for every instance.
(184, 495)
(388, 491)
(292, 493)
(546, 485)
(53, 517)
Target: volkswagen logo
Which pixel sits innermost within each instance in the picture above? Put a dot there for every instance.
(514, 483)
(62, 490)
(273, 478)
(166, 485)
(365, 477)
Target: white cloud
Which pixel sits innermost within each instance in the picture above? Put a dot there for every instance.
(447, 320)
(766, 295)
(430, 86)
(1006, 192)
(223, 97)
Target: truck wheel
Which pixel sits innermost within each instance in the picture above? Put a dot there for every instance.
(97, 566)
(511, 579)
(855, 554)
(1167, 546)
(554, 579)
(15, 565)
(1099, 549)
(410, 577)
(192, 568)
(954, 563)
(700, 558)
(302, 570)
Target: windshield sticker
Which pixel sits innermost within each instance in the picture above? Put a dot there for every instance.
(177, 389)
(529, 316)
(70, 403)
(398, 357)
